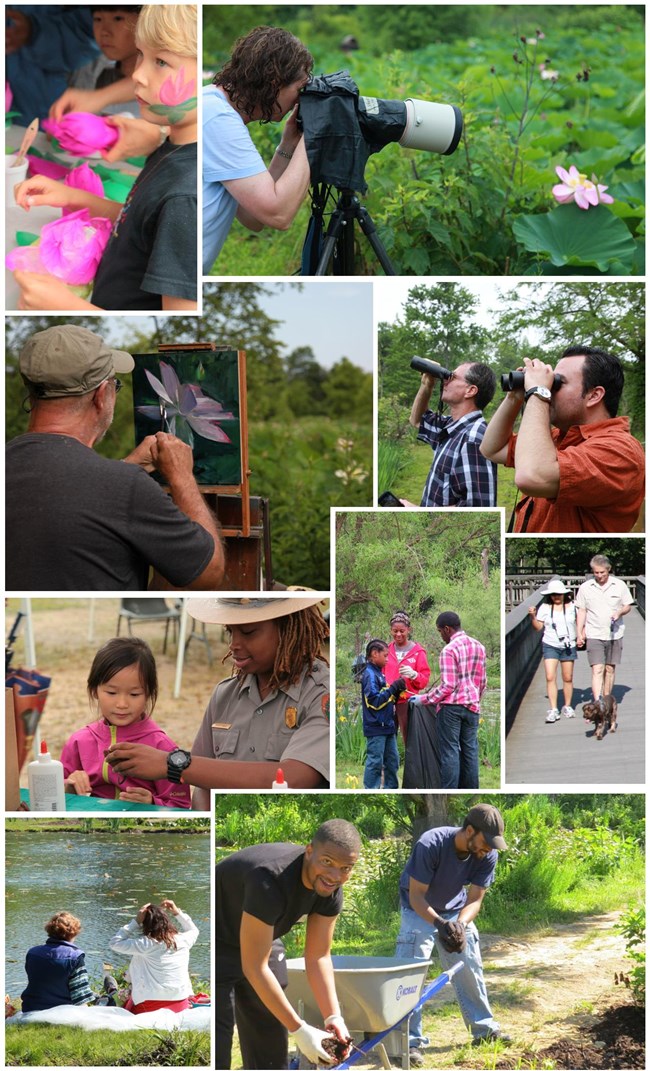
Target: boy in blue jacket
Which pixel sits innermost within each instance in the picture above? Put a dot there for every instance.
(379, 722)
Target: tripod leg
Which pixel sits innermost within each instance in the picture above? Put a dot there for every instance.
(368, 227)
(334, 232)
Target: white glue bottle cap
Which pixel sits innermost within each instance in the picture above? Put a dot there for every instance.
(280, 785)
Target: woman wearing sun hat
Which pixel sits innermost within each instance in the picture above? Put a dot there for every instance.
(556, 618)
(273, 711)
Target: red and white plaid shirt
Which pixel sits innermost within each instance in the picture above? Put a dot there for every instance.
(462, 673)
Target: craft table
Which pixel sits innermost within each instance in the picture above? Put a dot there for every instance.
(17, 219)
(100, 806)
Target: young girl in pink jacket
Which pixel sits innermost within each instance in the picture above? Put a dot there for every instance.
(124, 684)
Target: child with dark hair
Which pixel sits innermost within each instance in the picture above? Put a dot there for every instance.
(379, 719)
(159, 950)
(123, 683)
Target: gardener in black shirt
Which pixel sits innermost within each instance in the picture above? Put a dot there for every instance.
(262, 892)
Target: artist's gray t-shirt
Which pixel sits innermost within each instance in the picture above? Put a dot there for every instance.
(78, 521)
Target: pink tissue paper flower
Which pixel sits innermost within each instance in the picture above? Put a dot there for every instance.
(39, 166)
(70, 248)
(81, 133)
(8, 97)
(578, 187)
(83, 178)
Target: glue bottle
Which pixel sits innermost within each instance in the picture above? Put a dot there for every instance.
(280, 785)
(45, 781)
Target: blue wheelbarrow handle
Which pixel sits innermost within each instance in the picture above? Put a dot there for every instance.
(437, 984)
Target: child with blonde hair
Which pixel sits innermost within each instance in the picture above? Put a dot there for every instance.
(150, 261)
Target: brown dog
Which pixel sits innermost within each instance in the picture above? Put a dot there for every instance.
(602, 713)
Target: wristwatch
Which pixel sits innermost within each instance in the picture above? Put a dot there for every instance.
(177, 761)
(541, 392)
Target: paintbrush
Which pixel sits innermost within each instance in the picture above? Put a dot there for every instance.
(26, 144)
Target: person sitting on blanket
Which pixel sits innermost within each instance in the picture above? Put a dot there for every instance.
(56, 971)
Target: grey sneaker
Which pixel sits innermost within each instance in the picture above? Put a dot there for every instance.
(568, 712)
(553, 714)
(416, 1059)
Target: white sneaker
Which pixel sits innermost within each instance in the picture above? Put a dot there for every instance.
(553, 714)
(568, 712)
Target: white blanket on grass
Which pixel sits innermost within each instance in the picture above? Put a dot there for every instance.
(117, 1018)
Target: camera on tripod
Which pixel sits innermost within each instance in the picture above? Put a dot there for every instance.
(342, 128)
(515, 381)
(421, 364)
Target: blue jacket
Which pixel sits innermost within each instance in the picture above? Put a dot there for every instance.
(377, 703)
(55, 971)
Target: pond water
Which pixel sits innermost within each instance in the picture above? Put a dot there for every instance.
(102, 879)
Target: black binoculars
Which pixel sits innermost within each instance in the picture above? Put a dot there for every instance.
(421, 364)
(515, 381)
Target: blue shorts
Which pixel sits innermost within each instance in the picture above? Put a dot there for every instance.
(561, 654)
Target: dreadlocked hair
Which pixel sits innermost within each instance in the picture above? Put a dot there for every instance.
(302, 635)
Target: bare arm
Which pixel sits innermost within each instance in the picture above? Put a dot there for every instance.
(581, 617)
(265, 201)
(255, 939)
(417, 894)
(498, 432)
(537, 470)
(92, 100)
(537, 625)
(318, 963)
(472, 905)
(422, 400)
(141, 760)
(40, 190)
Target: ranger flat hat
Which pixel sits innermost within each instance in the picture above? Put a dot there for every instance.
(246, 610)
(68, 361)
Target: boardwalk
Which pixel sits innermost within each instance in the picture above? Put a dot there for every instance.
(566, 752)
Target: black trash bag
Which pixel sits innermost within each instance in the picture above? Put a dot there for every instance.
(422, 759)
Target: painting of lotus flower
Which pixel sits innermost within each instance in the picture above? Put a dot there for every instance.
(195, 395)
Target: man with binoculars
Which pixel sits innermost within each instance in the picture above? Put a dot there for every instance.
(575, 460)
(460, 475)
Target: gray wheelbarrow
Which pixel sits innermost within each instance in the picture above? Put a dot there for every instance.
(377, 995)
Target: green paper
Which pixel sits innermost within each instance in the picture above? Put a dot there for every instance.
(25, 238)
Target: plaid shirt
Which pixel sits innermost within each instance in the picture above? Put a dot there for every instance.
(462, 673)
(460, 475)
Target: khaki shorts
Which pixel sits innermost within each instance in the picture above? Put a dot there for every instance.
(604, 652)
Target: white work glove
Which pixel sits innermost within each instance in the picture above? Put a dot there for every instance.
(408, 672)
(310, 1042)
(419, 699)
(337, 1023)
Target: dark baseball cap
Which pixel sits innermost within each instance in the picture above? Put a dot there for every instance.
(488, 821)
(67, 361)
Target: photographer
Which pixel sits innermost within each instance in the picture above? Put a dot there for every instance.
(575, 461)
(460, 475)
(260, 82)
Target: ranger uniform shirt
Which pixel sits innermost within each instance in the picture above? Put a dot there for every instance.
(289, 723)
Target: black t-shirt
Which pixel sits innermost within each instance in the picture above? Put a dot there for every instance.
(152, 248)
(265, 881)
(77, 521)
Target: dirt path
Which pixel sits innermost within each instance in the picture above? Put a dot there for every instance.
(542, 989)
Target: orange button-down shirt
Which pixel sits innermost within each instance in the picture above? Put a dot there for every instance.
(602, 481)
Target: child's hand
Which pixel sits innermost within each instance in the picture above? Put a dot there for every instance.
(75, 100)
(41, 190)
(136, 795)
(79, 781)
(40, 291)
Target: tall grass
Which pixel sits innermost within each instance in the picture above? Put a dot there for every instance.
(392, 460)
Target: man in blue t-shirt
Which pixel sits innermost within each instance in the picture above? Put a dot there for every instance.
(441, 892)
(260, 82)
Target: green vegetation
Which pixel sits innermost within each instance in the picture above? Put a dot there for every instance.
(42, 1045)
(569, 556)
(633, 929)
(539, 87)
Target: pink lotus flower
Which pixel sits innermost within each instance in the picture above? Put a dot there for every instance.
(81, 133)
(185, 407)
(577, 187)
(72, 247)
(8, 97)
(177, 90)
(25, 258)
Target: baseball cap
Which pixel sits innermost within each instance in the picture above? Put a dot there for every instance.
(68, 361)
(488, 821)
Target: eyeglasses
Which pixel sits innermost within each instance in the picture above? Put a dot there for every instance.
(118, 384)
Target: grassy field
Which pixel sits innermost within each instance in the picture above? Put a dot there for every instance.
(43, 1045)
